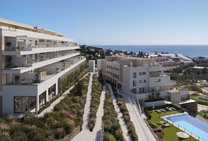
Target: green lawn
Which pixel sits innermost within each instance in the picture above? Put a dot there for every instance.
(169, 132)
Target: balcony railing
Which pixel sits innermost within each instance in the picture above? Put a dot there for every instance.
(45, 75)
(29, 47)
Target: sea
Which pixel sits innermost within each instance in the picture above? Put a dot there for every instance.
(188, 50)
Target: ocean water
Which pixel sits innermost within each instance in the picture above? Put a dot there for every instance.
(188, 50)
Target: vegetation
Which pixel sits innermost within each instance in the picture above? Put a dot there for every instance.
(112, 128)
(198, 99)
(79, 73)
(95, 101)
(70, 79)
(168, 133)
(204, 114)
(125, 113)
(187, 74)
(55, 125)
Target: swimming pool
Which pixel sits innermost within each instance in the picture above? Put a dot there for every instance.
(192, 125)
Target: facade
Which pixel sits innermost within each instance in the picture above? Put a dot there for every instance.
(139, 77)
(91, 65)
(33, 60)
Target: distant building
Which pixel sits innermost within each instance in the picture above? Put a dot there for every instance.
(91, 65)
(33, 62)
(139, 77)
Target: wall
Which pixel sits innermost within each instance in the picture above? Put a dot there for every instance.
(155, 103)
(9, 91)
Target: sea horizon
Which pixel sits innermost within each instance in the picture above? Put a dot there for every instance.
(188, 50)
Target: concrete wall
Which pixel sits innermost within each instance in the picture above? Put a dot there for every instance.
(91, 65)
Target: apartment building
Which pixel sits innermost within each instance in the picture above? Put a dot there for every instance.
(33, 60)
(138, 77)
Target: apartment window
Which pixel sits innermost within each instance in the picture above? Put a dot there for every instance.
(142, 81)
(134, 75)
(142, 90)
(134, 83)
(158, 80)
(142, 73)
(134, 90)
(24, 104)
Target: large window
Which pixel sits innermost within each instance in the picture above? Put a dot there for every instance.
(24, 104)
(134, 75)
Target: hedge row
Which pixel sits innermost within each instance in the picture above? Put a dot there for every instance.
(112, 128)
(125, 113)
(95, 101)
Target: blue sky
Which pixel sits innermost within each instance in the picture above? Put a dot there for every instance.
(116, 22)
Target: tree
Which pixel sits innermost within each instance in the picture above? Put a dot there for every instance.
(37, 75)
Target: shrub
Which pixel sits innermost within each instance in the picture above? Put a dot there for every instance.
(108, 137)
(19, 128)
(4, 137)
(68, 125)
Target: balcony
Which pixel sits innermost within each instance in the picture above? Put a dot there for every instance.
(26, 65)
(22, 45)
(43, 74)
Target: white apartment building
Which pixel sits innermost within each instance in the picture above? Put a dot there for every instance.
(139, 77)
(91, 65)
(33, 60)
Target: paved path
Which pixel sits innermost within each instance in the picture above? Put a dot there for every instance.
(51, 107)
(141, 127)
(120, 117)
(85, 134)
(98, 125)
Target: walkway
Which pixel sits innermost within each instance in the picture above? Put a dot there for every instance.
(51, 107)
(141, 127)
(120, 117)
(85, 134)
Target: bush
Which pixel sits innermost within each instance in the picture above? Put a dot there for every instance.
(68, 125)
(108, 137)
(19, 128)
(4, 137)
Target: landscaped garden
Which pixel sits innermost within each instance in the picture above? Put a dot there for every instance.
(67, 115)
(66, 83)
(125, 113)
(112, 128)
(198, 99)
(204, 114)
(164, 133)
(95, 100)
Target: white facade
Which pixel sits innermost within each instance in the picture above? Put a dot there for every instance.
(32, 62)
(139, 77)
(100, 64)
(91, 65)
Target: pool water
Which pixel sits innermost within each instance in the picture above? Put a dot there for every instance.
(192, 125)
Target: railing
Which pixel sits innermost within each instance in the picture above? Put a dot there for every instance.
(28, 48)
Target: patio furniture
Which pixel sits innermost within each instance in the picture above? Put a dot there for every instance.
(165, 125)
(182, 135)
(161, 122)
(158, 111)
(163, 110)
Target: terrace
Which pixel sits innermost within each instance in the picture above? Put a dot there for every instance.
(24, 43)
(41, 74)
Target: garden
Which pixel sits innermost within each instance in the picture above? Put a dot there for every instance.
(112, 128)
(95, 100)
(164, 133)
(125, 113)
(67, 115)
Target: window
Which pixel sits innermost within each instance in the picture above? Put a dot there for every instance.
(134, 83)
(142, 81)
(134, 90)
(158, 80)
(134, 75)
(142, 90)
(142, 73)
(24, 104)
